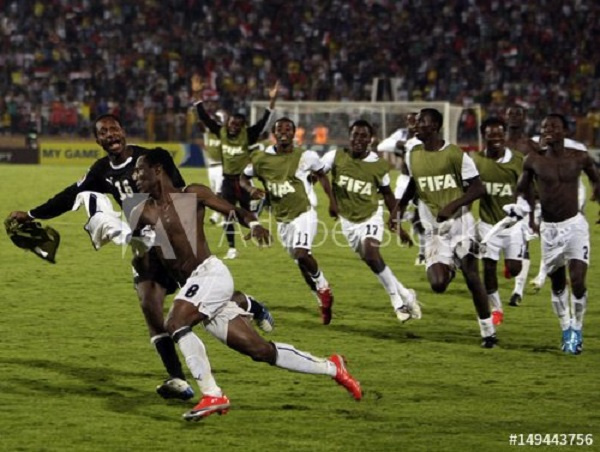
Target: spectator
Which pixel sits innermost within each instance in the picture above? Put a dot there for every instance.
(492, 53)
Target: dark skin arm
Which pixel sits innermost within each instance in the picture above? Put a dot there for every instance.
(398, 211)
(475, 190)
(246, 218)
(324, 181)
(526, 191)
(392, 205)
(255, 192)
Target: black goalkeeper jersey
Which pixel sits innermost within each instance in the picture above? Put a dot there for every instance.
(102, 177)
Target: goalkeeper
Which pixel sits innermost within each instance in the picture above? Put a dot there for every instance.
(113, 174)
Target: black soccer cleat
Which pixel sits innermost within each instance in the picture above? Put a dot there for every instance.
(489, 341)
(515, 300)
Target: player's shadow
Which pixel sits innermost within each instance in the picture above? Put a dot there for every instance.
(66, 379)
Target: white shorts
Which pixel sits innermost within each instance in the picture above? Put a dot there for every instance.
(210, 288)
(451, 246)
(298, 233)
(564, 241)
(511, 242)
(356, 233)
(215, 177)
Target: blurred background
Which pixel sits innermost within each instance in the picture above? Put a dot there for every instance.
(64, 62)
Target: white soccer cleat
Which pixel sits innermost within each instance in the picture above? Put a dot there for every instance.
(414, 306)
(537, 284)
(410, 309)
(231, 254)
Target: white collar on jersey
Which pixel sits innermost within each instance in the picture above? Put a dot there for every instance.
(122, 165)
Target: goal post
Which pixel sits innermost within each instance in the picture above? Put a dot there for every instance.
(386, 117)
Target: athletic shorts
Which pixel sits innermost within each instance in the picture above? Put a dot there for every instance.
(298, 233)
(511, 242)
(215, 177)
(149, 268)
(232, 191)
(356, 233)
(450, 247)
(564, 241)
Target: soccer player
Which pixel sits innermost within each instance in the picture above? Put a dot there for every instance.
(564, 231)
(499, 169)
(283, 170)
(112, 175)
(236, 139)
(214, 159)
(401, 142)
(447, 182)
(518, 140)
(207, 285)
(403, 139)
(359, 180)
(538, 282)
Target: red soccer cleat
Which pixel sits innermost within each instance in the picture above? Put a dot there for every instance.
(497, 317)
(343, 377)
(326, 302)
(207, 406)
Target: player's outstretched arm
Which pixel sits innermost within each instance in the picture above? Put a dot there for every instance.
(246, 218)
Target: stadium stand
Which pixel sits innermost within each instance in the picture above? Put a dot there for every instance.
(65, 61)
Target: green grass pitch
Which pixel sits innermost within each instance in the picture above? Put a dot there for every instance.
(78, 371)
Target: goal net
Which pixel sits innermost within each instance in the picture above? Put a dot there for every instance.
(386, 117)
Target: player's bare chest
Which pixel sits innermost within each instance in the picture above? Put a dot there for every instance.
(558, 170)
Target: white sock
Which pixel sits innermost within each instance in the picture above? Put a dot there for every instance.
(298, 361)
(578, 306)
(521, 278)
(196, 359)
(486, 327)
(391, 284)
(560, 306)
(319, 280)
(494, 299)
(421, 245)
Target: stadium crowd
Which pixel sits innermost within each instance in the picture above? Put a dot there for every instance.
(63, 62)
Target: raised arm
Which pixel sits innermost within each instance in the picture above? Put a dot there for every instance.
(203, 116)
(255, 130)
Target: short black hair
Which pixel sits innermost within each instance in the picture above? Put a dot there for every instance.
(162, 157)
(562, 118)
(106, 116)
(437, 117)
(492, 121)
(362, 123)
(283, 119)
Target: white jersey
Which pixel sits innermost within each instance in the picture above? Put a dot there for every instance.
(568, 143)
(389, 144)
